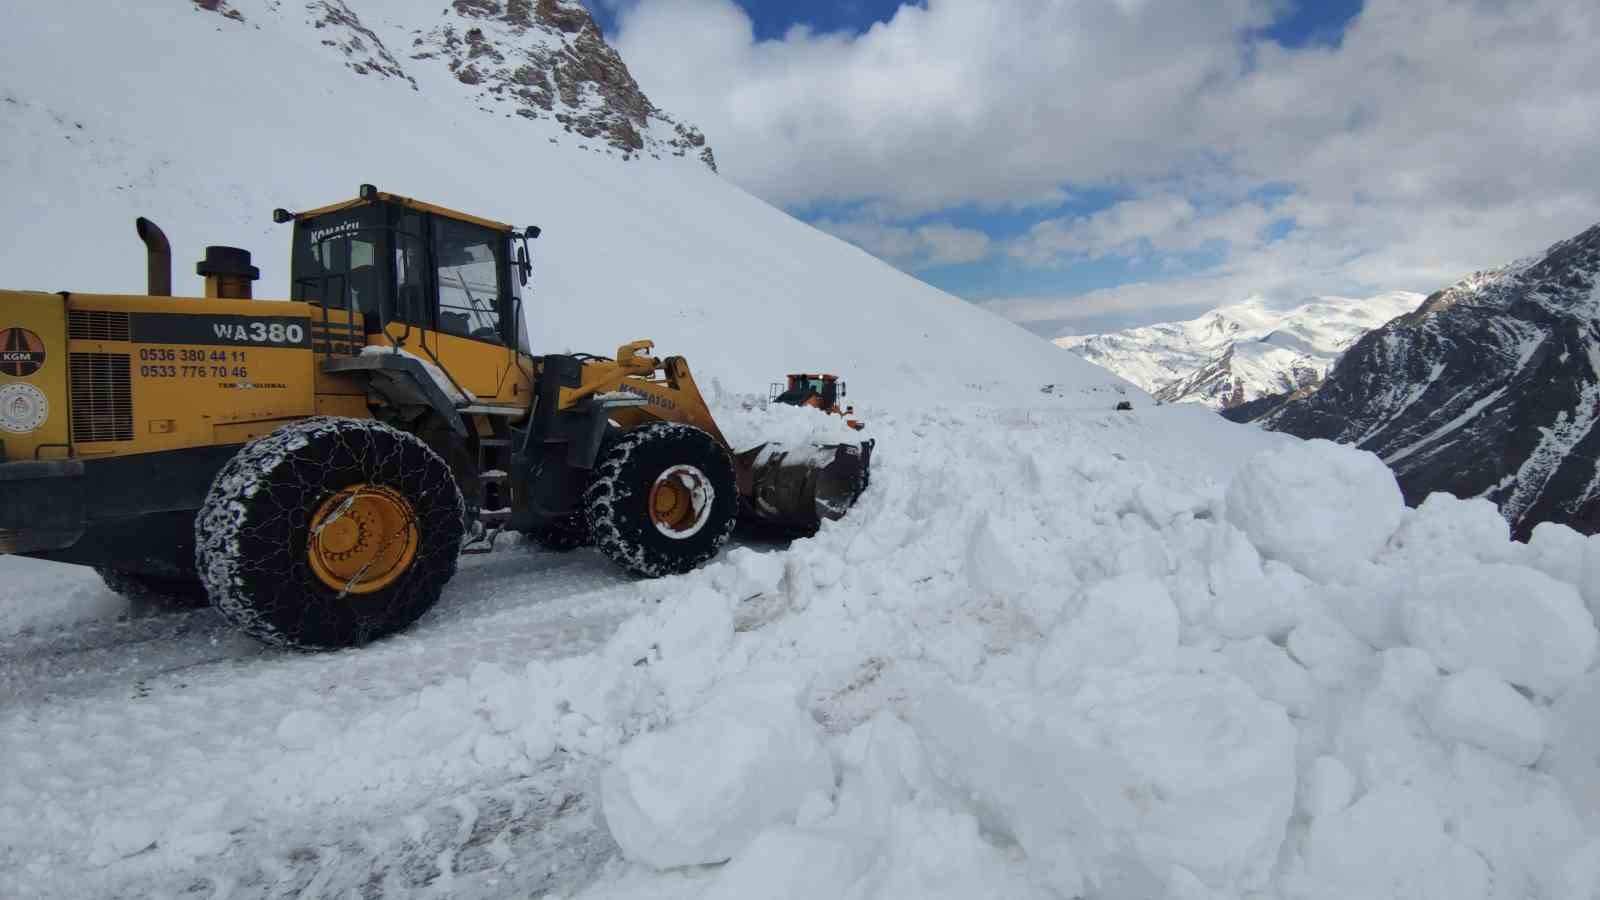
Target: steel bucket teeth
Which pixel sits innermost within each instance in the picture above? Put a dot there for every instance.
(792, 489)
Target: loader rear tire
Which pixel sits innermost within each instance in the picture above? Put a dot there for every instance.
(663, 500)
(172, 593)
(329, 533)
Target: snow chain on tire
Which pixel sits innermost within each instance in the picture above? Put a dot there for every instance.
(253, 533)
(617, 502)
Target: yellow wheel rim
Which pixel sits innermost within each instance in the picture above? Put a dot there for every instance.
(362, 539)
(680, 502)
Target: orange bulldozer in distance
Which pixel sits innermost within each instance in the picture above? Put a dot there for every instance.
(820, 391)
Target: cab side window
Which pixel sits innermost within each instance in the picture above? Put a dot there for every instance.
(410, 270)
(468, 276)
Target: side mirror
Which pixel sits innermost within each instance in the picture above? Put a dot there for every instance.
(532, 233)
(524, 267)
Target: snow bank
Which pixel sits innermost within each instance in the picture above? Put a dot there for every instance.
(1163, 698)
(1079, 674)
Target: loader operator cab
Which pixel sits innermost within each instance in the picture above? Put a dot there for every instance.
(400, 264)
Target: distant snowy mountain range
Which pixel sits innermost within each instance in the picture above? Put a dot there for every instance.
(1239, 353)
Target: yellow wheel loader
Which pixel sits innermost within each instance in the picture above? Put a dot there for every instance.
(313, 466)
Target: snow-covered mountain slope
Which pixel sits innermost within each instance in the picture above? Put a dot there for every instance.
(1056, 651)
(1490, 389)
(1238, 353)
(229, 119)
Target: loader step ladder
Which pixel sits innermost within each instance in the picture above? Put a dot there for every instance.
(494, 481)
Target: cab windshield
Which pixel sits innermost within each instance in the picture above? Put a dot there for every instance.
(392, 263)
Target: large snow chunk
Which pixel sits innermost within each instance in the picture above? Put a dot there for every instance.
(1519, 819)
(1318, 506)
(1446, 529)
(1406, 675)
(1127, 778)
(1392, 843)
(698, 791)
(1214, 769)
(1274, 674)
(1477, 708)
(991, 565)
(1329, 651)
(1326, 787)
(1557, 551)
(1522, 625)
(1251, 598)
(1128, 622)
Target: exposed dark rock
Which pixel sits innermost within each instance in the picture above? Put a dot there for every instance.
(364, 51)
(548, 59)
(543, 59)
(1250, 410)
(221, 8)
(1491, 388)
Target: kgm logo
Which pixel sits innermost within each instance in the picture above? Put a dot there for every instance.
(21, 352)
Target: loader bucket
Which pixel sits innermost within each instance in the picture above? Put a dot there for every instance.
(790, 490)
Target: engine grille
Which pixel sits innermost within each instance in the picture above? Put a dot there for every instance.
(97, 325)
(102, 397)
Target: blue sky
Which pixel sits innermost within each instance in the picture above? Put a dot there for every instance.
(1104, 163)
(1300, 24)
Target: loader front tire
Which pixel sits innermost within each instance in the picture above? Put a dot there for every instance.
(663, 500)
(329, 533)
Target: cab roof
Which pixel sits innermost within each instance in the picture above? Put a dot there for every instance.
(419, 205)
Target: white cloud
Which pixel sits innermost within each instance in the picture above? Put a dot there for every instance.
(1439, 136)
(913, 249)
(996, 102)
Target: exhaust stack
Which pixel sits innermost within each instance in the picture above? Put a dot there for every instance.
(228, 273)
(158, 258)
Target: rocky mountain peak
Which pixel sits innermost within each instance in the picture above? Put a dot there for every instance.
(537, 59)
(548, 59)
(1490, 389)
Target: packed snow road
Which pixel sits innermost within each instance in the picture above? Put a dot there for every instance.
(1056, 651)
(149, 711)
